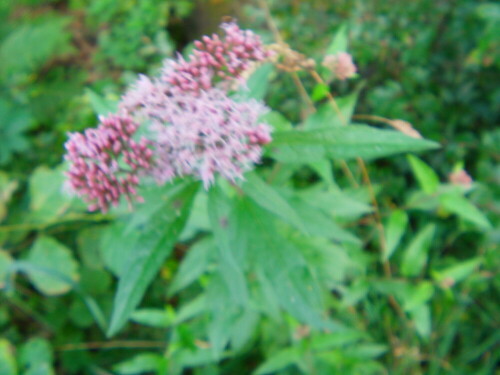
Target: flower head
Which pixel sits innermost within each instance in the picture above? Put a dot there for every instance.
(105, 163)
(341, 65)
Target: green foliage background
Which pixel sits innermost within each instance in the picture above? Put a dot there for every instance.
(306, 293)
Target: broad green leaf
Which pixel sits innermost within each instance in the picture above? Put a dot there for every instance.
(457, 204)
(335, 339)
(422, 319)
(193, 265)
(425, 175)
(14, 122)
(244, 328)
(153, 317)
(140, 364)
(51, 257)
(415, 255)
(457, 272)
(319, 223)
(394, 230)
(151, 248)
(339, 41)
(279, 360)
(366, 351)
(8, 364)
(29, 46)
(320, 92)
(48, 201)
(230, 266)
(418, 295)
(327, 116)
(346, 142)
(268, 198)
(101, 105)
(36, 357)
(277, 121)
(258, 83)
(5, 262)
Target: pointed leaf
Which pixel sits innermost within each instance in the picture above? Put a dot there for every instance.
(343, 143)
(394, 230)
(415, 256)
(425, 175)
(150, 251)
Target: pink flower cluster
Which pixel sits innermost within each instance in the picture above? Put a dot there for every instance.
(215, 59)
(192, 127)
(208, 134)
(106, 163)
(341, 65)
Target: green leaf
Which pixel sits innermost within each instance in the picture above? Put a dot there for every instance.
(336, 339)
(48, 201)
(320, 91)
(394, 230)
(422, 318)
(5, 263)
(7, 360)
(153, 317)
(327, 116)
(426, 177)
(29, 46)
(339, 41)
(457, 204)
(100, 104)
(418, 295)
(346, 142)
(51, 257)
(279, 360)
(415, 255)
(258, 83)
(151, 248)
(193, 265)
(268, 198)
(457, 272)
(15, 120)
(140, 364)
(36, 356)
(230, 268)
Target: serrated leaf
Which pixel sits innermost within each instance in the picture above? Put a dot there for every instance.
(394, 230)
(50, 257)
(231, 270)
(193, 265)
(425, 175)
(29, 46)
(415, 255)
(346, 142)
(327, 116)
(14, 121)
(268, 198)
(153, 245)
(101, 105)
(48, 201)
(278, 361)
(460, 206)
(258, 83)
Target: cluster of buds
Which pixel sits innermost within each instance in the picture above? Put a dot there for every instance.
(106, 163)
(216, 59)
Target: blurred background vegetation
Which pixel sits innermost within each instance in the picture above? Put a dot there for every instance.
(433, 63)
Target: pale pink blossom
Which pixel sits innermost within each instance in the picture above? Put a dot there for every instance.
(341, 65)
